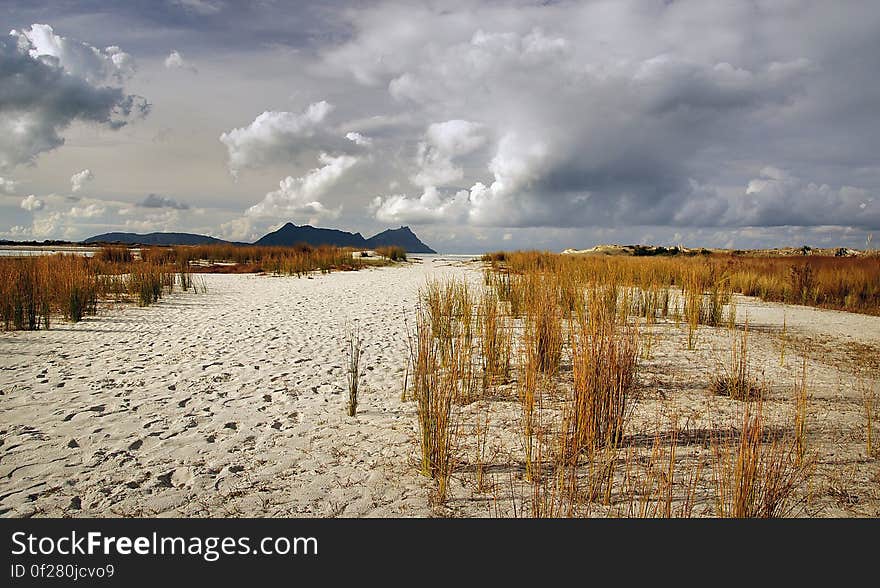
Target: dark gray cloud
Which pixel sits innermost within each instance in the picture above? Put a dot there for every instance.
(40, 97)
(159, 201)
(729, 122)
(197, 26)
(629, 115)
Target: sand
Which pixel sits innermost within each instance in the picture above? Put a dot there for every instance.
(233, 402)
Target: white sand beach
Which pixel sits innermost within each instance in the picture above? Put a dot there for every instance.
(232, 402)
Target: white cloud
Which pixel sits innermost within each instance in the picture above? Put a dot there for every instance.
(563, 115)
(239, 229)
(32, 203)
(443, 143)
(176, 61)
(163, 219)
(46, 225)
(358, 139)
(80, 178)
(273, 136)
(777, 198)
(49, 82)
(636, 118)
(16, 232)
(430, 207)
(8, 186)
(90, 210)
(506, 201)
(300, 197)
(77, 58)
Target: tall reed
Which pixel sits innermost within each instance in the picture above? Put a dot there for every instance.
(757, 477)
(495, 340)
(435, 386)
(604, 363)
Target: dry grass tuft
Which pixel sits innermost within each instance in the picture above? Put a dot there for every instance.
(757, 478)
(354, 373)
(736, 380)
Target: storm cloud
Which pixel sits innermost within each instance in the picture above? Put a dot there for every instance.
(48, 82)
(502, 124)
(603, 126)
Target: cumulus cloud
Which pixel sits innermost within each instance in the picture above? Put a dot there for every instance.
(428, 208)
(48, 83)
(777, 198)
(47, 225)
(612, 146)
(576, 120)
(358, 139)
(598, 115)
(32, 203)
(444, 142)
(300, 197)
(274, 136)
(159, 201)
(91, 210)
(508, 200)
(80, 178)
(160, 219)
(8, 186)
(79, 59)
(17, 232)
(176, 61)
(239, 229)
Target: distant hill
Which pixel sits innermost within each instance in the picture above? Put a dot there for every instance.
(288, 235)
(402, 237)
(156, 239)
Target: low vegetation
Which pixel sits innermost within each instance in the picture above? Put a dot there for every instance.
(844, 283)
(36, 290)
(392, 252)
(355, 352)
(561, 339)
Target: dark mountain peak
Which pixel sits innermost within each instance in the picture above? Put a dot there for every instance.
(155, 239)
(289, 234)
(402, 237)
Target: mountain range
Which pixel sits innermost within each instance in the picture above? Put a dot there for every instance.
(288, 235)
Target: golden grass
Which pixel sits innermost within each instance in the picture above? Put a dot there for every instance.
(604, 362)
(845, 283)
(757, 478)
(736, 380)
(869, 398)
(435, 387)
(574, 325)
(392, 252)
(35, 289)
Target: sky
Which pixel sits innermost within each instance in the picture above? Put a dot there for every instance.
(482, 125)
